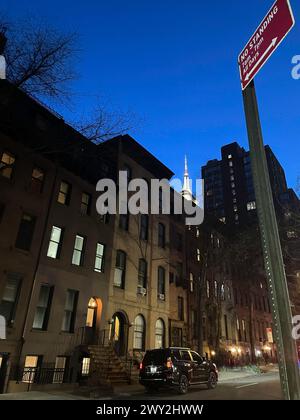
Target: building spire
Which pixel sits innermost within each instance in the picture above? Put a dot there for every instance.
(186, 190)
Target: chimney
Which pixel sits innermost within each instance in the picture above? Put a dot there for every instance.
(3, 40)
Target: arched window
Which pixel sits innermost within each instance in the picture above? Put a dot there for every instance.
(139, 333)
(91, 313)
(159, 334)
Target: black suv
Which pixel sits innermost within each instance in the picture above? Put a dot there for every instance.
(176, 367)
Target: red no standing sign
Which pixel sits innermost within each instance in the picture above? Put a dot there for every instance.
(267, 37)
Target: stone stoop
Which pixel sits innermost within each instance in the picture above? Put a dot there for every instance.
(106, 367)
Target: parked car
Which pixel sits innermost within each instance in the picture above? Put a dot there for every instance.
(176, 367)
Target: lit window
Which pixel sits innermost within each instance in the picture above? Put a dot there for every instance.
(99, 260)
(233, 192)
(230, 163)
(30, 368)
(229, 156)
(251, 205)
(197, 232)
(85, 205)
(191, 282)
(231, 178)
(139, 333)
(7, 164)
(159, 334)
(85, 369)
(77, 257)
(235, 209)
(207, 289)
(198, 255)
(222, 292)
(64, 194)
(55, 242)
(232, 185)
(60, 365)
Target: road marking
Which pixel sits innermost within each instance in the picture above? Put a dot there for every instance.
(244, 386)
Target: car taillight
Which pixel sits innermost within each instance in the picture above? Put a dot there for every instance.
(169, 363)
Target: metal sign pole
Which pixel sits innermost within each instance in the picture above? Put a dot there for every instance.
(282, 316)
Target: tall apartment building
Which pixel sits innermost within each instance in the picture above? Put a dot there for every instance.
(229, 188)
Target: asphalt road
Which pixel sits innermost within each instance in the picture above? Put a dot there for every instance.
(257, 387)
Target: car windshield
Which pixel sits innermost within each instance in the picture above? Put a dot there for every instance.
(155, 357)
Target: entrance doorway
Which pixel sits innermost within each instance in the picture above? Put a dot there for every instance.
(92, 322)
(119, 333)
(4, 361)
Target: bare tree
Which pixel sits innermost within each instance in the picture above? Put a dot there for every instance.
(40, 59)
(102, 124)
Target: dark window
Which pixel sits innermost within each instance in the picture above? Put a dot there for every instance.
(37, 180)
(194, 323)
(64, 194)
(7, 165)
(226, 327)
(124, 221)
(55, 242)
(25, 233)
(142, 280)
(144, 227)
(161, 283)
(196, 357)
(161, 235)
(120, 269)
(185, 355)
(42, 312)
(2, 207)
(85, 207)
(178, 243)
(70, 311)
(180, 308)
(204, 328)
(99, 260)
(10, 297)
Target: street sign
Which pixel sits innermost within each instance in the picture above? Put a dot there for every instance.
(265, 40)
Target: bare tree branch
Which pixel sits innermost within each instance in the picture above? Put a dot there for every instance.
(39, 58)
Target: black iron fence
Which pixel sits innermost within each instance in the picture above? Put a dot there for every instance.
(39, 375)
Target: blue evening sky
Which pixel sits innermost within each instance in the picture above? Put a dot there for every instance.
(174, 63)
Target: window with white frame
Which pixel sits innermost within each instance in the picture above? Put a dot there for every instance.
(99, 259)
(55, 242)
(139, 333)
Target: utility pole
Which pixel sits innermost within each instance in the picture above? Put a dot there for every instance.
(281, 307)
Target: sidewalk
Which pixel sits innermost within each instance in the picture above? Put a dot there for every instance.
(242, 372)
(123, 391)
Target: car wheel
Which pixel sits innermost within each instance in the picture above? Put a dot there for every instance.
(183, 384)
(212, 380)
